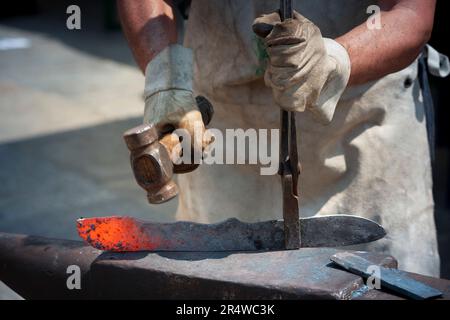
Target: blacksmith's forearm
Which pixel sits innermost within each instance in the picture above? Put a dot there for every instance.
(406, 26)
(149, 26)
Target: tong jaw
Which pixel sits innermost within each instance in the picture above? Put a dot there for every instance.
(289, 172)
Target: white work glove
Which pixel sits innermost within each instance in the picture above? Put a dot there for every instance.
(169, 100)
(305, 71)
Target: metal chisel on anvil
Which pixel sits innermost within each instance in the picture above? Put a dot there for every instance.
(130, 234)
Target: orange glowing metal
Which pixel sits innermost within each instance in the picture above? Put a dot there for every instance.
(131, 234)
(115, 234)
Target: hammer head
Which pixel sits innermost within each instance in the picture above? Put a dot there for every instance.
(151, 163)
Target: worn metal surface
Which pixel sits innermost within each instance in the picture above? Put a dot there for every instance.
(338, 231)
(286, 9)
(287, 274)
(130, 234)
(289, 181)
(289, 166)
(392, 279)
(151, 163)
(384, 294)
(35, 267)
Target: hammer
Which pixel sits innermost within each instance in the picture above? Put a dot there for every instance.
(150, 159)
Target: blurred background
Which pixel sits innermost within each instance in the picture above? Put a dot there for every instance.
(67, 96)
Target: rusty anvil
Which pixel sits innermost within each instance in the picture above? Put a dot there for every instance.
(130, 234)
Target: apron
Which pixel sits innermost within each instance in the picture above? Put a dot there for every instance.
(372, 160)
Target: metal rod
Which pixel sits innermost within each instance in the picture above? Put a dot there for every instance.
(286, 10)
(289, 162)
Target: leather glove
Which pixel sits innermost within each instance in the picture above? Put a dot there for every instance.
(305, 71)
(169, 100)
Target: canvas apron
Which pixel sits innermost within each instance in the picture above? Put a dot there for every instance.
(372, 160)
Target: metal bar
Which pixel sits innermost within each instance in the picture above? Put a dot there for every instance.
(392, 279)
(284, 141)
(131, 234)
(286, 10)
(289, 162)
(293, 154)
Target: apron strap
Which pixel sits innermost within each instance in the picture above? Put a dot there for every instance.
(438, 65)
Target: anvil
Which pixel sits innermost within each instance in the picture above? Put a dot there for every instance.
(37, 268)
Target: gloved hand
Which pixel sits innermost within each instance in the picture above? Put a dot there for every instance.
(169, 100)
(305, 71)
